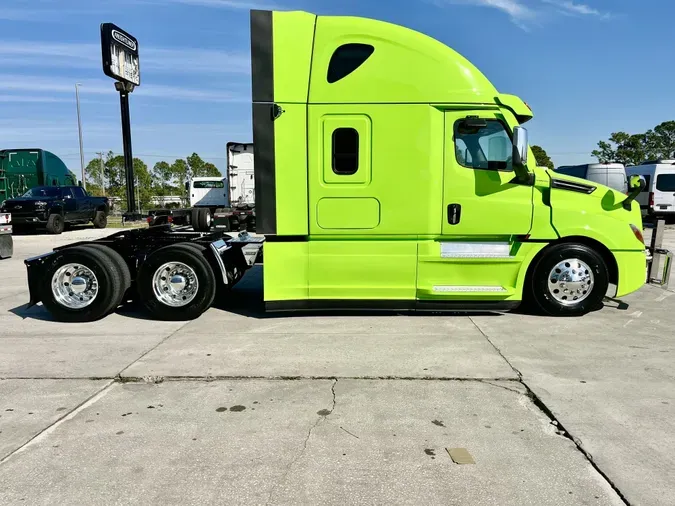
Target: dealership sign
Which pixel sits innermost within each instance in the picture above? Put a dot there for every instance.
(119, 51)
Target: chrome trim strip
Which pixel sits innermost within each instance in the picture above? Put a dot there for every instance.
(475, 250)
(455, 289)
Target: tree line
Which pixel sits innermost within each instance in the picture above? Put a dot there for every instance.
(657, 143)
(106, 176)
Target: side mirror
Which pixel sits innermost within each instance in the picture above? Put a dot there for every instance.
(635, 181)
(636, 184)
(520, 146)
(187, 186)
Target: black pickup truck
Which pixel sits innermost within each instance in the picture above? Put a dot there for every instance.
(55, 206)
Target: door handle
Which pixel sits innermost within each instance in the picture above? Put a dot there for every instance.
(454, 213)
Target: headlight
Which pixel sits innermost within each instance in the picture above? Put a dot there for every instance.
(40, 204)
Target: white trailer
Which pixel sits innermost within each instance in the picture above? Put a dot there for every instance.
(241, 172)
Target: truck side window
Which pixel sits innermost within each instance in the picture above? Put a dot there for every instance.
(345, 151)
(486, 147)
(78, 192)
(346, 59)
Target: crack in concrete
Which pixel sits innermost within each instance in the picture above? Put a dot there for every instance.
(287, 471)
(208, 378)
(153, 348)
(562, 431)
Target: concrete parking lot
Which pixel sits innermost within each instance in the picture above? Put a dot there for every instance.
(240, 408)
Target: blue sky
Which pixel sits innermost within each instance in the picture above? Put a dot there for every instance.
(586, 67)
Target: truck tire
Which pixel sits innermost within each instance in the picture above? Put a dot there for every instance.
(176, 283)
(100, 220)
(120, 265)
(201, 219)
(80, 284)
(567, 280)
(55, 224)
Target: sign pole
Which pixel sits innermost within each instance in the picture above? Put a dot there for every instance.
(119, 54)
(124, 90)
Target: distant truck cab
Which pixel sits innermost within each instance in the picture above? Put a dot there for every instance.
(607, 174)
(657, 199)
(354, 119)
(23, 169)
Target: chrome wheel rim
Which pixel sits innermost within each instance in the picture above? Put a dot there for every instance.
(208, 218)
(175, 284)
(570, 281)
(74, 286)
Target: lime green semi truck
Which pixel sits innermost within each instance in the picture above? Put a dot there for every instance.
(352, 120)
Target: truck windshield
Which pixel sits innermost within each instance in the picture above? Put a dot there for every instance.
(487, 147)
(43, 191)
(208, 184)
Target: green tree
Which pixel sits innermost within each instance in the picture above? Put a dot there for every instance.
(199, 168)
(162, 179)
(660, 141)
(542, 158)
(633, 149)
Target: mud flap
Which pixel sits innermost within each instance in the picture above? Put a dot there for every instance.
(667, 259)
(6, 246)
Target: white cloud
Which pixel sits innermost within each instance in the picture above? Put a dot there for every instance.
(31, 99)
(519, 12)
(526, 12)
(157, 59)
(570, 7)
(40, 84)
(224, 4)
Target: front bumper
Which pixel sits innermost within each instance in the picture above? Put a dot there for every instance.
(33, 219)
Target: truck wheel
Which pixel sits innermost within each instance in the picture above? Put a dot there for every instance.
(55, 224)
(100, 220)
(176, 283)
(120, 265)
(80, 284)
(568, 280)
(201, 219)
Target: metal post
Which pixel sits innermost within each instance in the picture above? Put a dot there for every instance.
(126, 143)
(79, 129)
(655, 243)
(103, 178)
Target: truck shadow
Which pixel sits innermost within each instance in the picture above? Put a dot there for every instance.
(246, 299)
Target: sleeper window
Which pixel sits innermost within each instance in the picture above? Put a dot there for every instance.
(346, 59)
(483, 147)
(345, 151)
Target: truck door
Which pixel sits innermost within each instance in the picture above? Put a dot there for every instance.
(481, 212)
(70, 209)
(480, 198)
(83, 204)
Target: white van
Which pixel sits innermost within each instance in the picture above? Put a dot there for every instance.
(658, 197)
(608, 174)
